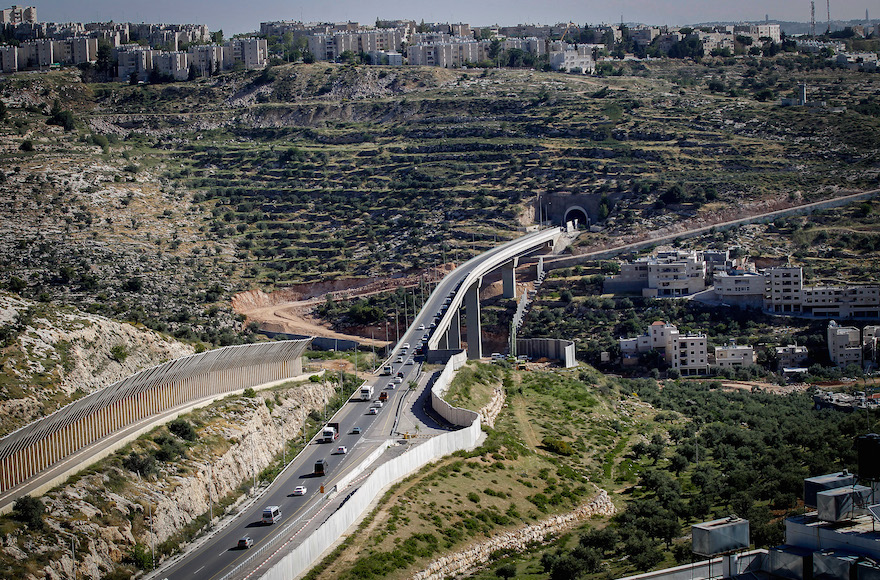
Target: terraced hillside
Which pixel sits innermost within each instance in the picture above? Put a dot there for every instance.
(159, 201)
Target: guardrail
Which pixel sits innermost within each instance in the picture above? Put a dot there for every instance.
(40, 445)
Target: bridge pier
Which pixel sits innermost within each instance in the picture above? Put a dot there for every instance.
(454, 331)
(508, 278)
(472, 310)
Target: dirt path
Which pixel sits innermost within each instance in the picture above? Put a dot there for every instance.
(290, 310)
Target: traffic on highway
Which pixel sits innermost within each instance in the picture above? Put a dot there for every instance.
(355, 431)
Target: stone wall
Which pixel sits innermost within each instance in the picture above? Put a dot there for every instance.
(466, 561)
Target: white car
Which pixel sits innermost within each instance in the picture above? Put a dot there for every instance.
(399, 359)
(299, 490)
(405, 346)
(341, 450)
(421, 327)
(410, 361)
(373, 411)
(398, 380)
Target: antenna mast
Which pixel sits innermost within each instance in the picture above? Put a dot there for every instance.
(813, 18)
(828, 7)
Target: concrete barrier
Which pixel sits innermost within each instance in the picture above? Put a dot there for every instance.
(558, 349)
(298, 561)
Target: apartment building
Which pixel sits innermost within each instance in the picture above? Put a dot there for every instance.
(572, 59)
(134, 59)
(173, 64)
(448, 54)
(8, 58)
(740, 288)
(844, 344)
(252, 52)
(687, 353)
(734, 355)
(791, 356)
(328, 46)
(666, 274)
(18, 15)
(206, 58)
(783, 289)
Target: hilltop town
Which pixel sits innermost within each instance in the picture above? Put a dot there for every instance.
(693, 334)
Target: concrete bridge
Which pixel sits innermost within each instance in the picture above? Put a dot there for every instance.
(461, 289)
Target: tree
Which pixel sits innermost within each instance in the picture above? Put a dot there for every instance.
(183, 429)
(29, 511)
(506, 571)
(2, 111)
(133, 78)
(193, 72)
(217, 37)
(26, 145)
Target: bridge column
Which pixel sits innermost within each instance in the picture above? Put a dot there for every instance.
(443, 343)
(472, 309)
(454, 332)
(508, 278)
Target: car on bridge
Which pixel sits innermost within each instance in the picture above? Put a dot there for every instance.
(341, 450)
(300, 490)
(245, 543)
(355, 430)
(373, 411)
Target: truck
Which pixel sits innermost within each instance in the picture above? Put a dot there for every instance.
(366, 392)
(383, 396)
(330, 432)
(322, 467)
(387, 370)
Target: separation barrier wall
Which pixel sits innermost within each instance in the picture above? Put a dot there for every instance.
(306, 554)
(555, 348)
(38, 446)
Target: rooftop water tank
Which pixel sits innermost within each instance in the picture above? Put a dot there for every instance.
(720, 536)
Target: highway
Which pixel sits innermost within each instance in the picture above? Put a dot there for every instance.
(215, 558)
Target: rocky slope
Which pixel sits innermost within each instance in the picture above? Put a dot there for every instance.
(52, 356)
(106, 510)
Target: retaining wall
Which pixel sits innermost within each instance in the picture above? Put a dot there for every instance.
(306, 554)
(562, 350)
(38, 447)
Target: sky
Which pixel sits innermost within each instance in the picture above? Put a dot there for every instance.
(236, 16)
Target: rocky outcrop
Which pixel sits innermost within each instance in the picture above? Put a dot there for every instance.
(58, 354)
(466, 561)
(106, 511)
(490, 412)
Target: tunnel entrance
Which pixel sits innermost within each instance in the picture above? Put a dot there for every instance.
(577, 213)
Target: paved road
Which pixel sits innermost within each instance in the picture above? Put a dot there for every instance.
(401, 413)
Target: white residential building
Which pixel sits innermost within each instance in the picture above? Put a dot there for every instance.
(18, 15)
(734, 356)
(174, 64)
(687, 353)
(574, 59)
(791, 356)
(252, 52)
(844, 344)
(206, 58)
(8, 58)
(783, 289)
(134, 59)
(448, 54)
(740, 288)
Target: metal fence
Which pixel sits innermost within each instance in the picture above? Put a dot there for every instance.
(39, 445)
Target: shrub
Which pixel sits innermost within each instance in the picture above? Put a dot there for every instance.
(557, 446)
(137, 463)
(119, 353)
(183, 429)
(29, 511)
(26, 145)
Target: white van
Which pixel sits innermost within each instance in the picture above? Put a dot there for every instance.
(271, 514)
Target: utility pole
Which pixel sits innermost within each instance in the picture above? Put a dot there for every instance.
(152, 536)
